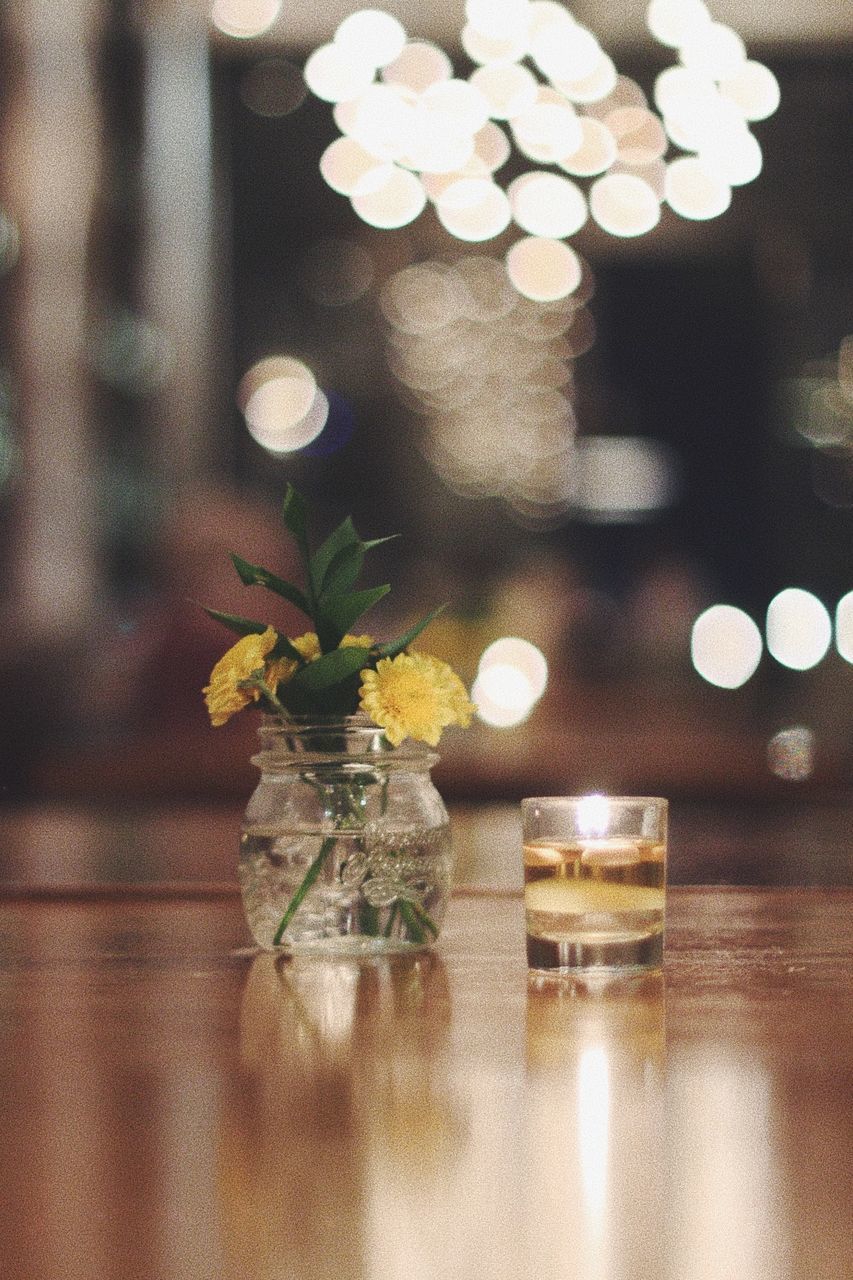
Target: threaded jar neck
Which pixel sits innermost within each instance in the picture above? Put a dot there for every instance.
(306, 742)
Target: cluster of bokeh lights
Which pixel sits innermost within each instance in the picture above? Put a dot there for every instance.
(413, 133)
(726, 646)
(491, 374)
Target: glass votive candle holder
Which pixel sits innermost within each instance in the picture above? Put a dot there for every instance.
(594, 881)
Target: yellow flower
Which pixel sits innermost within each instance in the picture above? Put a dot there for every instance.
(223, 695)
(360, 642)
(309, 646)
(453, 691)
(414, 696)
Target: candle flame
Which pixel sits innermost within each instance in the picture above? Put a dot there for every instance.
(593, 815)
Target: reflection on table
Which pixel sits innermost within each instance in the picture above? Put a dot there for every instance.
(172, 1105)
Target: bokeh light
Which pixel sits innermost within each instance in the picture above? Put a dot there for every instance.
(725, 646)
(625, 93)
(732, 159)
(791, 754)
(508, 88)
(798, 629)
(503, 696)
(244, 19)
(273, 88)
(624, 205)
(695, 191)
(673, 22)
(395, 203)
(370, 35)
(419, 65)
(421, 299)
(596, 152)
(511, 678)
(622, 479)
(437, 151)
(492, 146)
(335, 75)
(489, 373)
(543, 269)
(640, 136)
(498, 19)
(564, 51)
(526, 657)
(715, 51)
(474, 209)
(548, 129)
(338, 431)
(599, 84)
(584, 118)
(281, 403)
(455, 105)
(485, 50)
(844, 627)
(544, 204)
(382, 121)
(753, 89)
(677, 89)
(351, 170)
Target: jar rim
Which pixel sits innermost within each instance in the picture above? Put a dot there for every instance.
(300, 740)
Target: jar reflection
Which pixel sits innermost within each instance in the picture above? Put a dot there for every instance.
(334, 1098)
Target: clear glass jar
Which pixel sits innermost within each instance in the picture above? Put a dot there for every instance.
(345, 846)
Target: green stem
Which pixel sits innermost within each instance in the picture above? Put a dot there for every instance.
(392, 916)
(413, 928)
(425, 918)
(310, 876)
(369, 919)
(259, 683)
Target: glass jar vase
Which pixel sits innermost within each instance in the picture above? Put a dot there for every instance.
(345, 845)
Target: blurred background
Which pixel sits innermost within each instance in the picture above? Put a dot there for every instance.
(637, 494)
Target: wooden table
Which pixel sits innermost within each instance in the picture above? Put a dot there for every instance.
(173, 1107)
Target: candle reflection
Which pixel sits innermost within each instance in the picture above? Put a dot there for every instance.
(595, 1054)
(594, 1129)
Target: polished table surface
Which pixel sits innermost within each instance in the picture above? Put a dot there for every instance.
(174, 1106)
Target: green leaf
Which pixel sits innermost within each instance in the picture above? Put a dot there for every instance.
(342, 573)
(284, 649)
(330, 669)
(394, 647)
(345, 566)
(341, 611)
(254, 575)
(242, 626)
(294, 512)
(310, 876)
(342, 537)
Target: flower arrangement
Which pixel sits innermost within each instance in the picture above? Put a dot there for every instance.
(349, 847)
(327, 671)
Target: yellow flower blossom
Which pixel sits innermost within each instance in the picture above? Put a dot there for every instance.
(309, 646)
(360, 642)
(223, 695)
(453, 691)
(414, 696)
